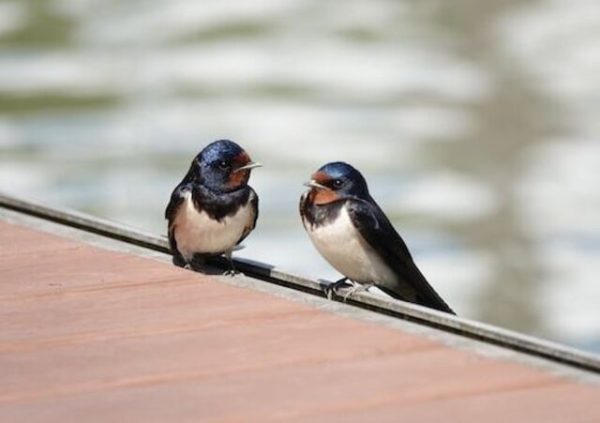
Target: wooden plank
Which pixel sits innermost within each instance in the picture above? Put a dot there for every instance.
(129, 237)
(90, 334)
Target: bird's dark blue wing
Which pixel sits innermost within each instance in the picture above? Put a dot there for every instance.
(253, 199)
(379, 233)
(177, 196)
(176, 201)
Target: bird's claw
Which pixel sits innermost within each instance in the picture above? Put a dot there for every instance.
(231, 273)
(332, 288)
(357, 288)
(350, 292)
(329, 290)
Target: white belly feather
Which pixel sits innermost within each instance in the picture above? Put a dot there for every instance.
(340, 243)
(196, 232)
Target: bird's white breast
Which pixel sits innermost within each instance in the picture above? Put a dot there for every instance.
(196, 232)
(340, 243)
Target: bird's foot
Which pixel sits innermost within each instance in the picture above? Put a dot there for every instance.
(332, 288)
(357, 287)
(197, 263)
(232, 270)
(179, 261)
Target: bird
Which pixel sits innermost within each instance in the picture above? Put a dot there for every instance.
(213, 208)
(353, 234)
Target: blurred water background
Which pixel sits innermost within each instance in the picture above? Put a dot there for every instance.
(476, 124)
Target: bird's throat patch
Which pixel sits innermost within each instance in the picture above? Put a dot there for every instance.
(237, 179)
(323, 196)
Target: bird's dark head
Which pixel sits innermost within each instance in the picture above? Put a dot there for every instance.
(222, 166)
(336, 181)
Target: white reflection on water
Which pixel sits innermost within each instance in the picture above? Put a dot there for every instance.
(476, 129)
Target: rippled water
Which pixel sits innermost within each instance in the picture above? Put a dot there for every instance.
(474, 122)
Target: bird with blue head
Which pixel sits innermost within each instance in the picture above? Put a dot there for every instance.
(213, 208)
(354, 235)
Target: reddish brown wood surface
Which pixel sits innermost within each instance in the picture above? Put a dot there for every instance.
(92, 335)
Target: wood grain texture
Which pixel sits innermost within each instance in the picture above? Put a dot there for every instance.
(94, 335)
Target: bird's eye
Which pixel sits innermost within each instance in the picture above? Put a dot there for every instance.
(338, 183)
(223, 164)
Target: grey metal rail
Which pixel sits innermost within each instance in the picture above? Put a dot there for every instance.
(267, 273)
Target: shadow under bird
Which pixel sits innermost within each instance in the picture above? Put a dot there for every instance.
(213, 208)
(353, 234)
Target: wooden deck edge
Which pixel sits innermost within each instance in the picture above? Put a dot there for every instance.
(470, 329)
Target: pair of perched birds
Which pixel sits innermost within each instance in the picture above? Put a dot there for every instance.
(213, 209)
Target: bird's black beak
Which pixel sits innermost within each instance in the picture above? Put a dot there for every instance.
(248, 166)
(314, 184)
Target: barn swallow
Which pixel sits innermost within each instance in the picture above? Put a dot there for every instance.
(353, 234)
(213, 208)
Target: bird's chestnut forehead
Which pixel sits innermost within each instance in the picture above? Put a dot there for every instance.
(242, 158)
(321, 177)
